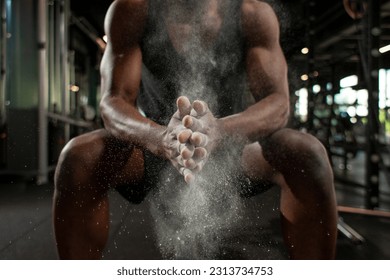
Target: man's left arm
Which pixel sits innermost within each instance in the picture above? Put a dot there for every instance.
(267, 76)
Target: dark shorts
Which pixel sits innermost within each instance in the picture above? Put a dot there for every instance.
(152, 167)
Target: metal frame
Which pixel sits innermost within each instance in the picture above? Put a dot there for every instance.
(43, 166)
(3, 65)
(372, 34)
(370, 58)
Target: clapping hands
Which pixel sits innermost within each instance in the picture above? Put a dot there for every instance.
(192, 134)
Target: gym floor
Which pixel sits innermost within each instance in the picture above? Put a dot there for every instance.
(26, 227)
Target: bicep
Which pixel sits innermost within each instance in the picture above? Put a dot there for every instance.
(267, 72)
(265, 61)
(121, 73)
(122, 60)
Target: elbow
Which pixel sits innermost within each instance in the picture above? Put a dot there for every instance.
(275, 117)
(104, 112)
(280, 118)
(284, 116)
(280, 115)
(107, 114)
(280, 121)
(283, 111)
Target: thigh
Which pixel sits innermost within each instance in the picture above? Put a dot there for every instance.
(290, 151)
(258, 175)
(284, 152)
(99, 159)
(254, 165)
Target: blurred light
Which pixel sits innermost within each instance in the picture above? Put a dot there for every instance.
(349, 81)
(329, 86)
(329, 99)
(316, 88)
(351, 111)
(100, 42)
(362, 97)
(84, 100)
(353, 120)
(384, 49)
(346, 96)
(384, 88)
(316, 74)
(305, 51)
(361, 111)
(105, 38)
(304, 77)
(302, 103)
(74, 88)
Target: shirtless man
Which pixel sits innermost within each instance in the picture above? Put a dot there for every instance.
(150, 51)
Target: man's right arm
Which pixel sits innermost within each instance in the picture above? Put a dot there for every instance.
(121, 75)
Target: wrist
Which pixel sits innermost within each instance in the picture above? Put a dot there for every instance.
(221, 134)
(154, 141)
(230, 137)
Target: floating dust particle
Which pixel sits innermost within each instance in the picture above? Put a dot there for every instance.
(193, 221)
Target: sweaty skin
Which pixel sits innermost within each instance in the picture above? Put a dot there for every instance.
(93, 163)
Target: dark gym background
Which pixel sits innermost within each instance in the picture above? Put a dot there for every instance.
(339, 69)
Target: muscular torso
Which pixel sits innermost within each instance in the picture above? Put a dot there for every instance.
(196, 52)
(205, 22)
(146, 64)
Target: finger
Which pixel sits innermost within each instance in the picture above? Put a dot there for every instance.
(199, 166)
(176, 115)
(200, 107)
(190, 164)
(179, 161)
(192, 123)
(183, 106)
(184, 136)
(198, 139)
(188, 121)
(200, 153)
(189, 177)
(174, 150)
(187, 150)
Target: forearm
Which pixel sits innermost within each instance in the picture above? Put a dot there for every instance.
(124, 121)
(257, 121)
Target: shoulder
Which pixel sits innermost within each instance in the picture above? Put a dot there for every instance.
(259, 22)
(124, 8)
(126, 18)
(257, 11)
